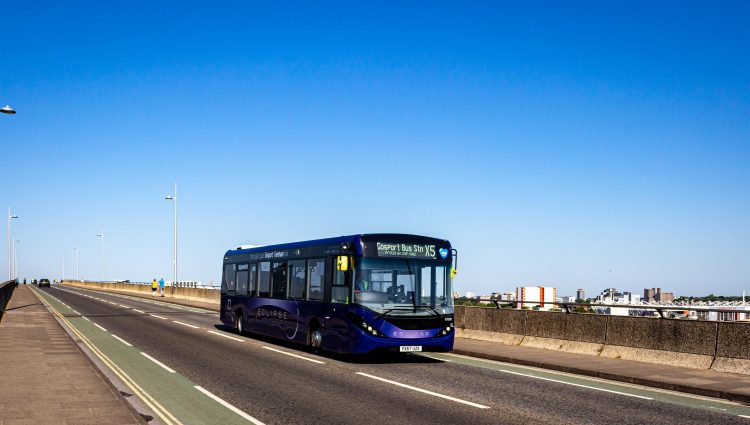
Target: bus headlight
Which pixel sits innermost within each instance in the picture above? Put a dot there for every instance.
(366, 327)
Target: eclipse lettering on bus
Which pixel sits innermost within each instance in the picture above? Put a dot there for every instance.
(386, 249)
(266, 312)
(411, 334)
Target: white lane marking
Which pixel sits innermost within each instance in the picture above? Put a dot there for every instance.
(167, 368)
(122, 340)
(121, 305)
(294, 355)
(158, 317)
(576, 385)
(744, 416)
(112, 302)
(97, 325)
(185, 324)
(436, 358)
(74, 311)
(139, 311)
(447, 397)
(225, 336)
(228, 406)
(86, 318)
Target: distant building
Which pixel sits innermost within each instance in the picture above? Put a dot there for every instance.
(655, 295)
(471, 294)
(569, 299)
(507, 296)
(485, 299)
(536, 296)
(613, 296)
(580, 295)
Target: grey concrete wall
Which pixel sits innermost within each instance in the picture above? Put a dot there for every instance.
(696, 344)
(733, 340)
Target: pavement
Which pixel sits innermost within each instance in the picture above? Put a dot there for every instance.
(45, 378)
(707, 383)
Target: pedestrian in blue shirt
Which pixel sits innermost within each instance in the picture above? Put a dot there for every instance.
(161, 286)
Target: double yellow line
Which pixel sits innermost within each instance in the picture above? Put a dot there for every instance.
(157, 408)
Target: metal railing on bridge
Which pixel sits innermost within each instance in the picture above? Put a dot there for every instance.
(641, 310)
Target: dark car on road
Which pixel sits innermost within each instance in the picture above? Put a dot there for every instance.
(43, 282)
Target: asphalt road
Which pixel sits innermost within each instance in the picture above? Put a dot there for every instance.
(274, 383)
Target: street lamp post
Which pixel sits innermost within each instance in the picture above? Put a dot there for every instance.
(10, 260)
(174, 260)
(15, 259)
(77, 275)
(101, 235)
(8, 110)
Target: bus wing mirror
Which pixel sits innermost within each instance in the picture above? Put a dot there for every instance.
(342, 263)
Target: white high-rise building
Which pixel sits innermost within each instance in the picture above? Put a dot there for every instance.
(536, 296)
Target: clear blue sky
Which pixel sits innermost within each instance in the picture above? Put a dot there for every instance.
(579, 145)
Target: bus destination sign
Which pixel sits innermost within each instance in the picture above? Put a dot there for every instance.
(386, 249)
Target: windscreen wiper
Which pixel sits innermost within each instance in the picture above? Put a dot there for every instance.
(383, 314)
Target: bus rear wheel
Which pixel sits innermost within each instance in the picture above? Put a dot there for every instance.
(238, 323)
(315, 338)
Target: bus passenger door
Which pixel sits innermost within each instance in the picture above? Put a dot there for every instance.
(337, 328)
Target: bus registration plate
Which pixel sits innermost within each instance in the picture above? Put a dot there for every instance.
(410, 348)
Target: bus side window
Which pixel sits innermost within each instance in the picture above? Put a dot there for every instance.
(264, 279)
(297, 279)
(229, 276)
(242, 278)
(253, 287)
(280, 280)
(316, 272)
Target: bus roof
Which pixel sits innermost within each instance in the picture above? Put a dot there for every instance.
(354, 239)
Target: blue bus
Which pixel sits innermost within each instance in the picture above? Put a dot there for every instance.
(349, 294)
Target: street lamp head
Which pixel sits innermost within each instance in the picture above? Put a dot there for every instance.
(169, 198)
(14, 216)
(99, 234)
(7, 110)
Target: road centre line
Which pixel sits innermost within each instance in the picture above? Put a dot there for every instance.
(97, 325)
(139, 311)
(185, 324)
(294, 355)
(226, 336)
(122, 340)
(447, 397)
(744, 416)
(165, 367)
(228, 406)
(575, 385)
(158, 317)
(86, 318)
(122, 305)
